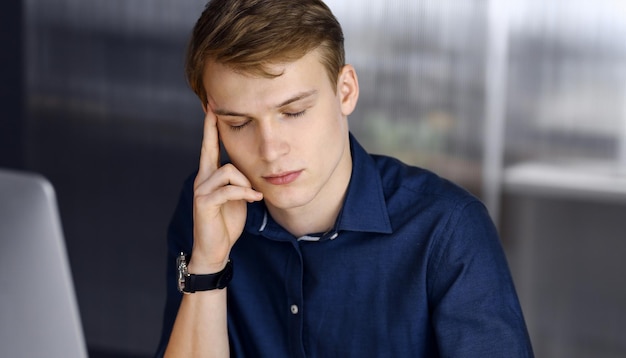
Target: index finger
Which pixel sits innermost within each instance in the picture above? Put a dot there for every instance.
(210, 151)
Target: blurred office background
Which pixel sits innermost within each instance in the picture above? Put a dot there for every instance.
(522, 102)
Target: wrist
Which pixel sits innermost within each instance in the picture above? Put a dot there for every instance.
(189, 282)
(207, 260)
(198, 265)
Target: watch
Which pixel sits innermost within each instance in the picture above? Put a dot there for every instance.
(190, 283)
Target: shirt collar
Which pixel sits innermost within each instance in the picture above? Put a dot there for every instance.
(364, 209)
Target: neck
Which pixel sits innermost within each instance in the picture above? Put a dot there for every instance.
(307, 220)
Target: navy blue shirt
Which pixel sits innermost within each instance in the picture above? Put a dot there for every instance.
(412, 268)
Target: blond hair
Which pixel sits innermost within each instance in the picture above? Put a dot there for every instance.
(248, 35)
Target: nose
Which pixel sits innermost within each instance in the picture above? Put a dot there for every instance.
(273, 142)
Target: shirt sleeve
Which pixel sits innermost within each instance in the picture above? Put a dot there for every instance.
(179, 239)
(475, 309)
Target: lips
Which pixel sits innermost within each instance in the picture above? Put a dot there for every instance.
(283, 178)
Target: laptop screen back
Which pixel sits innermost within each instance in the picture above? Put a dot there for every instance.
(39, 315)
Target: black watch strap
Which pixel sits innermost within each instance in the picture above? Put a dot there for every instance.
(212, 281)
(190, 283)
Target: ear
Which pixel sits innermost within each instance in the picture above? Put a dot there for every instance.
(348, 89)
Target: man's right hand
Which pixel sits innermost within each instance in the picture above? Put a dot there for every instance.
(219, 205)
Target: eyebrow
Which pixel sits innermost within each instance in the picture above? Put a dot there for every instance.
(296, 98)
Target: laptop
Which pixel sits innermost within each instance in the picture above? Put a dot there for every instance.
(39, 315)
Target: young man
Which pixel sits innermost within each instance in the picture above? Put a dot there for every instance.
(335, 252)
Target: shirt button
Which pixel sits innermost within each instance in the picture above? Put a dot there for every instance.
(294, 309)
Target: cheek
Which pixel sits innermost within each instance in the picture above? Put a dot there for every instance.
(237, 150)
(333, 124)
(244, 164)
(328, 119)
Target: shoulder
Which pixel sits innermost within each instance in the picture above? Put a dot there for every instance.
(438, 210)
(412, 183)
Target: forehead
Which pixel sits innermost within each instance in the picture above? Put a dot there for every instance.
(227, 87)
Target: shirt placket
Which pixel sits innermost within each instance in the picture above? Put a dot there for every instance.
(294, 303)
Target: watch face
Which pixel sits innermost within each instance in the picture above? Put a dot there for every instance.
(182, 271)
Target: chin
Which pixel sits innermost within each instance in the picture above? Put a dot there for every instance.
(287, 200)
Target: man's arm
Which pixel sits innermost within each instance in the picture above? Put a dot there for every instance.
(200, 328)
(219, 213)
(475, 307)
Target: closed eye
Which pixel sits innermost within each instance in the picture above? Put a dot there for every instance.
(238, 127)
(296, 114)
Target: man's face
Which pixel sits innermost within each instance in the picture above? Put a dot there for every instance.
(289, 134)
